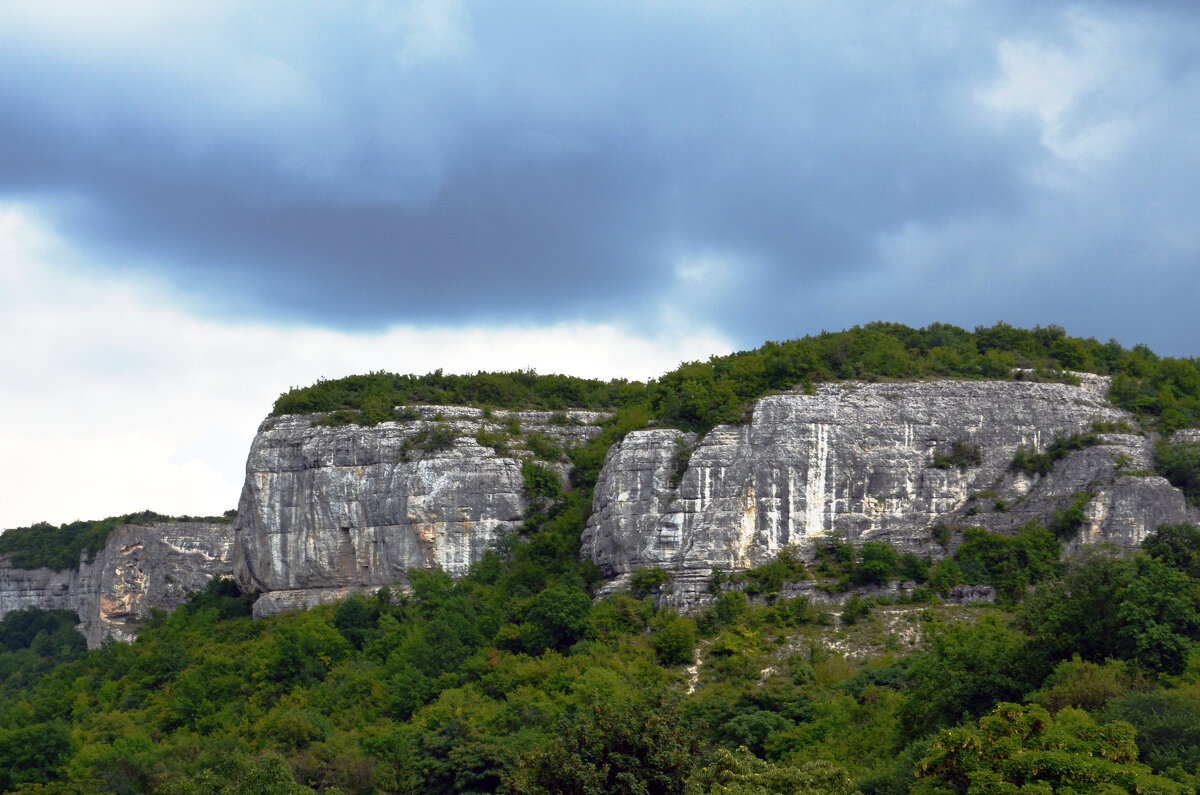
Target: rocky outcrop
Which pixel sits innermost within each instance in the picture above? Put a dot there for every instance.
(870, 462)
(141, 567)
(331, 508)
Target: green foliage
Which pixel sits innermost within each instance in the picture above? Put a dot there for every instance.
(1009, 563)
(1180, 464)
(968, 669)
(1177, 545)
(19, 628)
(1065, 522)
(673, 639)
(542, 488)
(855, 609)
(543, 447)
(1086, 685)
(643, 582)
(961, 455)
(742, 773)
(1032, 463)
(353, 621)
(680, 460)
(1023, 749)
(430, 438)
(618, 747)
(877, 563)
(32, 754)
(222, 596)
(59, 548)
(1138, 609)
(239, 774)
(1167, 725)
(769, 578)
(700, 395)
(559, 617)
(523, 389)
(498, 441)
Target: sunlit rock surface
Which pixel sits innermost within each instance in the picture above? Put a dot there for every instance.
(857, 460)
(353, 507)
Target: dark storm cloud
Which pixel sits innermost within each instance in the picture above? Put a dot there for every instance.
(842, 162)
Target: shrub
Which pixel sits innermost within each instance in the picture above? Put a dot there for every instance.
(674, 640)
(1180, 464)
(1042, 463)
(961, 455)
(644, 582)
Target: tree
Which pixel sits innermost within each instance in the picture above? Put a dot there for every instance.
(742, 773)
(1177, 545)
(1137, 609)
(32, 754)
(968, 669)
(636, 746)
(1022, 749)
(559, 616)
(674, 640)
(353, 621)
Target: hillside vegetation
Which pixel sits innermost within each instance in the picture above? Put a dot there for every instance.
(1162, 391)
(60, 548)
(1083, 678)
(514, 680)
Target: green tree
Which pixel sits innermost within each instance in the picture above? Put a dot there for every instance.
(1022, 749)
(1137, 609)
(674, 639)
(1177, 545)
(353, 621)
(559, 616)
(637, 746)
(742, 773)
(32, 754)
(968, 669)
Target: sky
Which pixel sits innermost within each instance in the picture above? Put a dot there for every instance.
(204, 203)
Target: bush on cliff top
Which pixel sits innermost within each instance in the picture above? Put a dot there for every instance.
(700, 395)
(59, 548)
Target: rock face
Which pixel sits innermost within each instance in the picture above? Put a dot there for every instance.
(859, 460)
(353, 508)
(140, 567)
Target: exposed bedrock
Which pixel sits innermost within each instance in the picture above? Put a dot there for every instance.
(859, 460)
(353, 507)
(140, 567)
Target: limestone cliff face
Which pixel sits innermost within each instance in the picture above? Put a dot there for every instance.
(140, 567)
(328, 510)
(858, 459)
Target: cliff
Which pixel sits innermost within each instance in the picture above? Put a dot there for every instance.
(141, 567)
(328, 510)
(871, 462)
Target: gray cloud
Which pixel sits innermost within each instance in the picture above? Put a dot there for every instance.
(831, 164)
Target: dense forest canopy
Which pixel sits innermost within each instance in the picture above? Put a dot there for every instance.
(514, 679)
